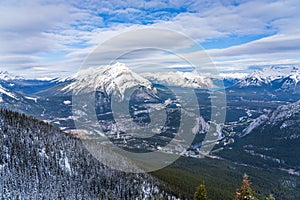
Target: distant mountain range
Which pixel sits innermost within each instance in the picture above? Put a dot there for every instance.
(180, 79)
(273, 78)
(38, 96)
(116, 76)
(5, 76)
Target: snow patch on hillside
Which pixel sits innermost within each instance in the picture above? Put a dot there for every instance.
(281, 115)
(284, 112)
(256, 123)
(7, 93)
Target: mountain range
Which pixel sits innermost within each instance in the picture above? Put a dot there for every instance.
(275, 77)
(261, 128)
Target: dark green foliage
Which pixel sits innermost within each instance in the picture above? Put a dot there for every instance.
(222, 177)
(184, 175)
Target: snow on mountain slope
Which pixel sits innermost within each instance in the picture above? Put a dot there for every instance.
(270, 74)
(46, 161)
(4, 91)
(235, 75)
(4, 75)
(256, 123)
(181, 79)
(285, 112)
(284, 115)
(114, 79)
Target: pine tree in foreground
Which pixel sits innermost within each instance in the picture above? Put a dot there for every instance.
(245, 192)
(201, 193)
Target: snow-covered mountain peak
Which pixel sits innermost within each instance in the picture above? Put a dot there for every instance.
(269, 74)
(234, 75)
(4, 75)
(114, 79)
(181, 79)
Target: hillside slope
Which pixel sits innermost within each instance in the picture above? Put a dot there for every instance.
(40, 162)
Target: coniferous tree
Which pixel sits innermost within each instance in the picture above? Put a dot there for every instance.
(38, 161)
(245, 192)
(201, 193)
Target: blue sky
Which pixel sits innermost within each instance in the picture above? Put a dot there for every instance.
(52, 38)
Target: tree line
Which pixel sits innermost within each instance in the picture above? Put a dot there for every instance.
(245, 192)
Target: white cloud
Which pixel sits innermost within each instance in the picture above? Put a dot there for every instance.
(283, 44)
(277, 49)
(32, 29)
